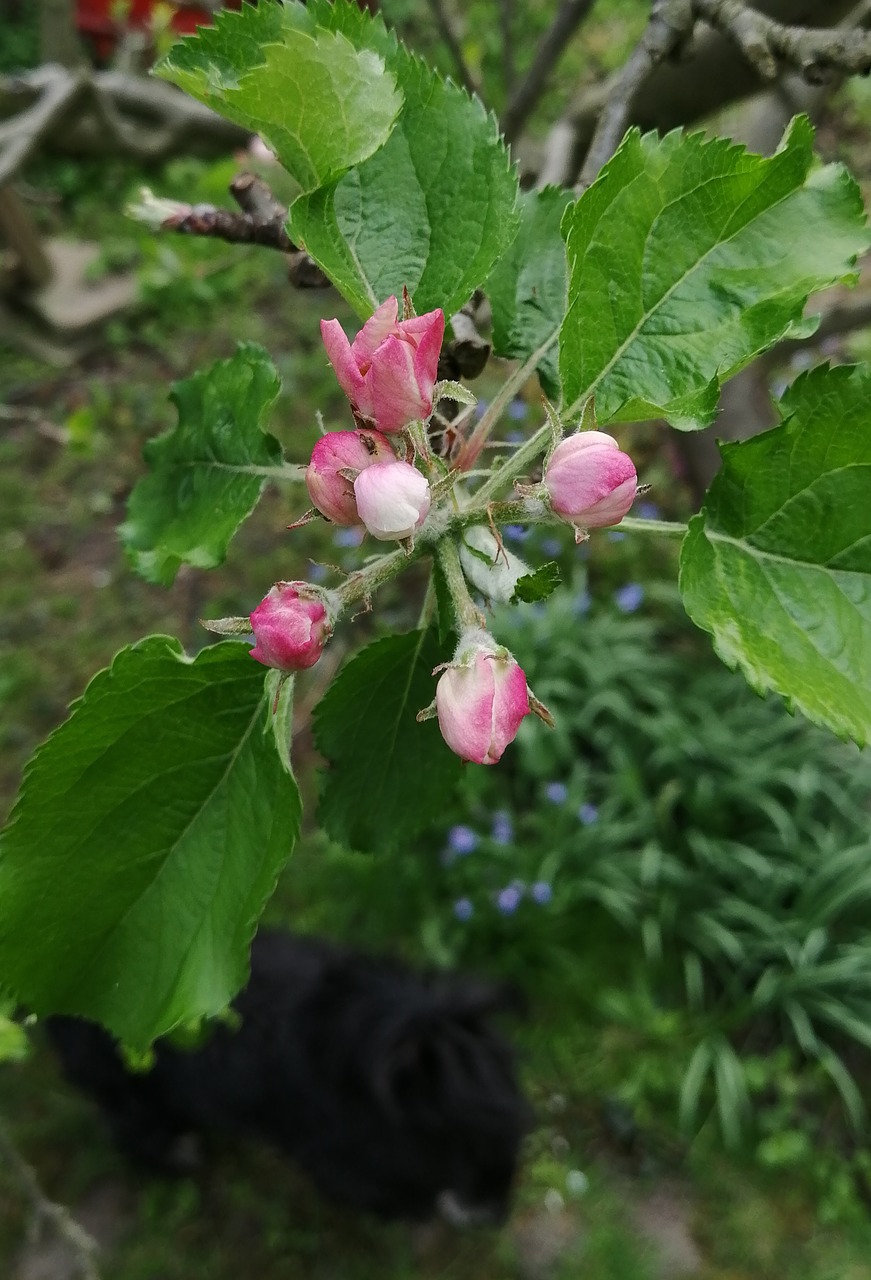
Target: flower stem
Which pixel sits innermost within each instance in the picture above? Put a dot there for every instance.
(476, 441)
(514, 466)
(669, 528)
(366, 581)
(464, 606)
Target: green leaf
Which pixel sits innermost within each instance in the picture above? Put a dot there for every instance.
(14, 1045)
(538, 585)
(148, 835)
(688, 256)
(693, 1082)
(527, 287)
(777, 565)
(207, 474)
(214, 60)
(488, 566)
(321, 104)
(388, 777)
(431, 210)
(733, 1101)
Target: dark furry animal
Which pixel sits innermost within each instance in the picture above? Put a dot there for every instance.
(391, 1089)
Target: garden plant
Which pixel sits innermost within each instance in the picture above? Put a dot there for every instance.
(152, 825)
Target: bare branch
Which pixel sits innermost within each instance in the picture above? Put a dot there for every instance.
(676, 93)
(261, 222)
(58, 92)
(670, 24)
(259, 204)
(103, 111)
(771, 47)
(208, 220)
(446, 32)
(523, 101)
(505, 9)
(57, 1215)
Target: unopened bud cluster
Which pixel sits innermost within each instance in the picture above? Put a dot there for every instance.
(381, 475)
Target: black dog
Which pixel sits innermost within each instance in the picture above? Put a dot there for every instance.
(389, 1088)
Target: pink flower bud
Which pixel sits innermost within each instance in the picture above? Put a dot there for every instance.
(388, 372)
(480, 701)
(290, 626)
(332, 493)
(590, 481)
(393, 500)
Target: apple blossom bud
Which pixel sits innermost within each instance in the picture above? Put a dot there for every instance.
(389, 371)
(393, 500)
(590, 481)
(290, 626)
(481, 698)
(330, 491)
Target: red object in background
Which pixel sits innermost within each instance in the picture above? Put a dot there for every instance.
(94, 20)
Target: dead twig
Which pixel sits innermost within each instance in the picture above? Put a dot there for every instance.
(261, 221)
(59, 92)
(670, 25)
(446, 31)
(44, 1210)
(569, 16)
(771, 47)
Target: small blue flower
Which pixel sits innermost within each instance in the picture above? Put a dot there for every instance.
(515, 437)
(541, 892)
(556, 792)
(518, 409)
(648, 510)
(463, 909)
(318, 572)
(481, 408)
(508, 899)
(630, 597)
(350, 537)
(503, 828)
(582, 603)
(588, 814)
(615, 535)
(515, 532)
(551, 546)
(462, 839)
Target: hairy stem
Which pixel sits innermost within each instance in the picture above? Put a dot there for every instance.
(667, 528)
(514, 466)
(464, 606)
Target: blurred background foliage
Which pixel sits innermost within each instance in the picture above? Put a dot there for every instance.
(678, 877)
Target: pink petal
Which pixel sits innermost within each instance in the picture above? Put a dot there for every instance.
(612, 509)
(374, 331)
(391, 396)
(510, 705)
(341, 358)
(426, 361)
(464, 703)
(417, 326)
